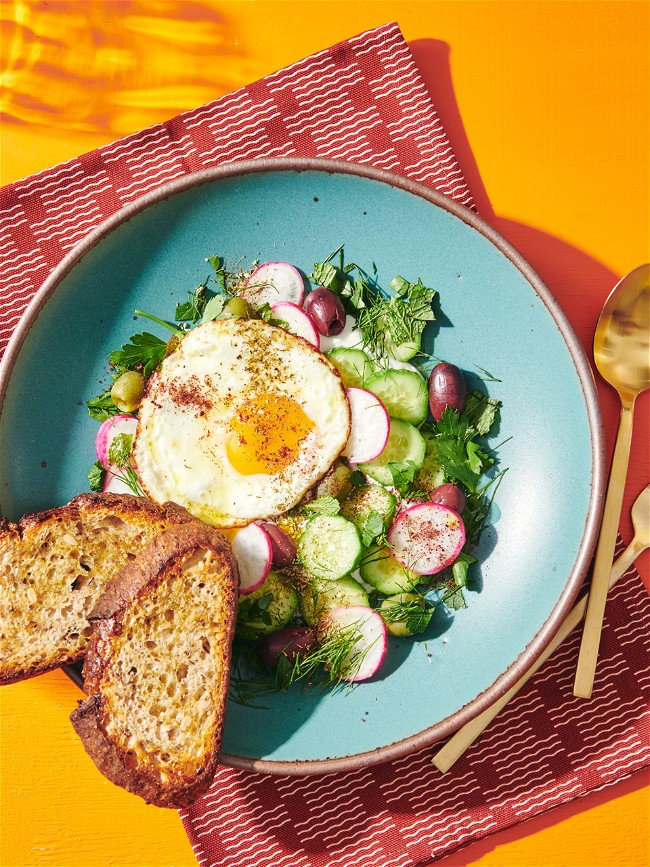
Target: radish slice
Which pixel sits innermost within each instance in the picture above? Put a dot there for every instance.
(298, 322)
(254, 554)
(116, 424)
(370, 426)
(369, 650)
(427, 537)
(272, 282)
(113, 484)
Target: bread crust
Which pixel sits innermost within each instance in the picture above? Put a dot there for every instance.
(160, 557)
(13, 536)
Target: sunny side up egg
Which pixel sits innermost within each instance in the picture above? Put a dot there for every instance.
(239, 422)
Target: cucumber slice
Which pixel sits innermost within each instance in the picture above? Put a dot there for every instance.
(268, 609)
(336, 483)
(319, 597)
(404, 394)
(353, 364)
(431, 475)
(329, 547)
(405, 443)
(385, 574)
(366, 499)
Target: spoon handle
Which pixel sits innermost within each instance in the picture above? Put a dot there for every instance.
(588, 656)
(465, 736)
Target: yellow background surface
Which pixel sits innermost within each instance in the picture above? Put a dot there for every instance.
(546, 104)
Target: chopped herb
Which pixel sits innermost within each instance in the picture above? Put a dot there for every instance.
(144, 352)
(415, 612)
(102, 407)
(357, 479)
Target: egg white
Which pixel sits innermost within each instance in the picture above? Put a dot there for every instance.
(185, 420)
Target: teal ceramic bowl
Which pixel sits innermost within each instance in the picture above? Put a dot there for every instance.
(496, 316)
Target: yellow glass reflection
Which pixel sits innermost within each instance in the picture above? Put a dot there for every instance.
(111, 66)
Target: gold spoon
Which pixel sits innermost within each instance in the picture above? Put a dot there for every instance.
(622, 356)
(465, 736)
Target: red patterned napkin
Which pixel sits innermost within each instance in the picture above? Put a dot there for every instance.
(361, 100)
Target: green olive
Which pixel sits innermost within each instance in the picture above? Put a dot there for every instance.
(399, 627)
(127, 391)
(236, 308)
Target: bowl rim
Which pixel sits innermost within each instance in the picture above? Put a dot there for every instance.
(443, 728)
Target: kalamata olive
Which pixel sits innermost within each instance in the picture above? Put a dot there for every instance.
(127, 391)
(449, 495)
(327, 311)
(284, 550)
(447, 387)
(292, 642)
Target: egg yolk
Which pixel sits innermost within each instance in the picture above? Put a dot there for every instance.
(266, 434)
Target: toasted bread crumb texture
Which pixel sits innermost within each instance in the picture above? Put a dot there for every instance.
(164, 683)
(53, 568)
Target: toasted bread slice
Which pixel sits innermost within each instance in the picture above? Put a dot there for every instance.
(156, 670)
(53, 568)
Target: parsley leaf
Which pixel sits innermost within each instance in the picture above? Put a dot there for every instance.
(192, 309)
(144, 352)
(119, 450)
(102, 407)
(220, 273)
(461, 458)
(403, 473)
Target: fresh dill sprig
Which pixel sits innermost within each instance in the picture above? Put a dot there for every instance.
(412, 609)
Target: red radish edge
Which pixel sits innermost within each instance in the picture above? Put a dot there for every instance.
(369, 426)
(282, 282)
(427, 537)
(373, 642)
(298, 322)
(109, 429)
(254, 554)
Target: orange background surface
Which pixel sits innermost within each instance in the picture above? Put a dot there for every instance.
(546, 105)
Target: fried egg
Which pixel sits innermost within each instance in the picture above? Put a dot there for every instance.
(239, 422)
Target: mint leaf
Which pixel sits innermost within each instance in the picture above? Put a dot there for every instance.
(102, 407)
(481, 411)
(119, 450)
(214, 308)
(96, 476)
(373, 529)
(325, 505)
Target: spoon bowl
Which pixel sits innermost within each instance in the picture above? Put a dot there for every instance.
(622, 356)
